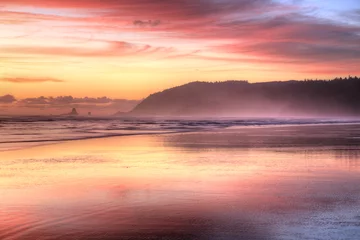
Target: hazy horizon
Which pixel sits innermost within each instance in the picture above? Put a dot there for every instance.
(99, 106)
(105, 106)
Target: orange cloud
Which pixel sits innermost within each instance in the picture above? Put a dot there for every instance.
(30, 80)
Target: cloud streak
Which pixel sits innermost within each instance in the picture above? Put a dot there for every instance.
(151, 23)
(111, 49)
(30, 80)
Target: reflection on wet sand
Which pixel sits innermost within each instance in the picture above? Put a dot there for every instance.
(248, 183)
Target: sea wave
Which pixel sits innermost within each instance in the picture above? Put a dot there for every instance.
(21, 131)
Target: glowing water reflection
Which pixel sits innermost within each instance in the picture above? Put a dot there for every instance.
(246, 183)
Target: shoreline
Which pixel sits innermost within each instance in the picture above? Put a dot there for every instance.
(45, 142)
(232, 129)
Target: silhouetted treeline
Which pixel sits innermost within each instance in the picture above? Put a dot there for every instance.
(335, 79)
(337, 97)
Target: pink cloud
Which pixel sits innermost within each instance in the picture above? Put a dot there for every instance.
(263, 31)
(113, 49)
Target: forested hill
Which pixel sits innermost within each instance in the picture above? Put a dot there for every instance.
(313, 98)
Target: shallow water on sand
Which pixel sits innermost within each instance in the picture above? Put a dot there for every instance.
(285, 182)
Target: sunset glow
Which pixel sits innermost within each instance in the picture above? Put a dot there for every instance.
(129, 49)
(179, 119)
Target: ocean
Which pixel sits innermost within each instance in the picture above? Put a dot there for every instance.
(24, 131)
(83, 178)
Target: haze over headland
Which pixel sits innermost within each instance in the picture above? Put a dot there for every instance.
(130, 49)
(307, 98)
(310, 98)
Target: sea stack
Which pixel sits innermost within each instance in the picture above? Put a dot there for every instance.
(73, 112)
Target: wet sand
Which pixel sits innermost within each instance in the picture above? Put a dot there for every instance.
(290, 182)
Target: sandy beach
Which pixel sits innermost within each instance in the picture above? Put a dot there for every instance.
(241, 183)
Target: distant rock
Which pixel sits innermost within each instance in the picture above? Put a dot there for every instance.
(72, 113)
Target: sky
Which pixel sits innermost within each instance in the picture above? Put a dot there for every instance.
(121, 49)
